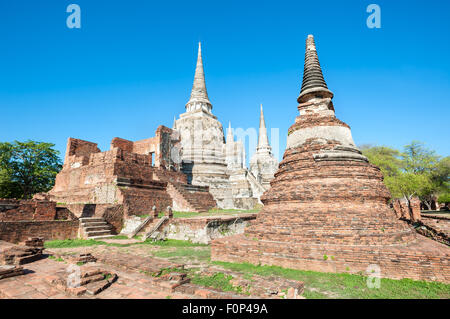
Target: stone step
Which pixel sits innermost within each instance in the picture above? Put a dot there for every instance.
(94, 288)
(97, 228)
(101, 237)
(95, 225)
(90, 234)
(93, 278)
(91, 219)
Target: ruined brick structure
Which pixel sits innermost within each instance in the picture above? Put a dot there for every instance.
(327, 207)
(209, 160)
(127, 180)
(17, 210)
(20, 219)
(407, 211)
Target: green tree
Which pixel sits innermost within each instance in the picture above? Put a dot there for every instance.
(8, 188)
(418, 159)
(440, 178)
(27, 168)
(406, 185)
(422, 161)
(389, 160)
(417, 171)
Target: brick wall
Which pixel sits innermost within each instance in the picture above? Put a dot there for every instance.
(19, 210)
(20, 231)
(421, 260)
(409, 212)
(123, 144)
(115, 217)
(79, 149)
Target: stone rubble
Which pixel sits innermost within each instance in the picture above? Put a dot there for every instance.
(11, 254)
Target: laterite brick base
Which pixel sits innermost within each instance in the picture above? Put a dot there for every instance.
(420, 260)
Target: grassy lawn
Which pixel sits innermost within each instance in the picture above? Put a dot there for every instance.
(71, 243)
(219, 280)
(185, 254)
(331, 285)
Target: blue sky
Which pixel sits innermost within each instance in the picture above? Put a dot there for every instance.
(130, 67)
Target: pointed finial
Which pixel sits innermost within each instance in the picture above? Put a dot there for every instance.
(199, 94)
(263, 140)
(313, 82)
(174, 126)
(230, 137)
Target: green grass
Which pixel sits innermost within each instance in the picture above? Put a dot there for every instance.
(332, 285)
(184, 214)
(218, 280)
(119, 237)
(203, 254)
(71, 243)
(172, 243)
(54, 258)
(233, 211)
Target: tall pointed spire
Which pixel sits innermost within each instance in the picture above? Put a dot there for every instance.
(244, 156)
(313, 81)
(174, 126)
(263, 141)
(230, 137)
(199, 96)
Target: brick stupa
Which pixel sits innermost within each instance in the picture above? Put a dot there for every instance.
(327, 208)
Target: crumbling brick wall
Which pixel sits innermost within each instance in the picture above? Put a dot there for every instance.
(19, 210)
(162, 146)
(20, 219)
(115, 217)
(79, 149)
(19, 231)
(407, 211)
(123, 144)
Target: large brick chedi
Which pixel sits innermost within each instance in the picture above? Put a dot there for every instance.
(327, 207)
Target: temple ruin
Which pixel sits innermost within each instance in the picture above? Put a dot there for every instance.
(327, 206)
(129, 180)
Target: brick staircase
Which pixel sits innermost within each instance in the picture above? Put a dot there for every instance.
(191, 197)
(95, 228)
